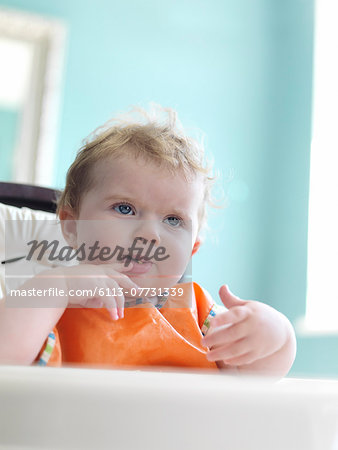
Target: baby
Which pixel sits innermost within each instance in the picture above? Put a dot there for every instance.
(136, 197)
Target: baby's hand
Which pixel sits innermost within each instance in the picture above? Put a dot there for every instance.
(249, 331)
(103, 280)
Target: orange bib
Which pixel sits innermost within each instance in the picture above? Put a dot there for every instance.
(146, 336)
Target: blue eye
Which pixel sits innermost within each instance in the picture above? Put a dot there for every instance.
(176, 221)
(123, 208)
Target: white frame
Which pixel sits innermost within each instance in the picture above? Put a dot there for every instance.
(34, 153)
(322, 295)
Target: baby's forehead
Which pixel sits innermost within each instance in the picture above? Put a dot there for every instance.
(127, 166)
(144, 177)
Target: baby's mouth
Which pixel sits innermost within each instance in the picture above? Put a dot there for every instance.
(137, 260)
(137, 266)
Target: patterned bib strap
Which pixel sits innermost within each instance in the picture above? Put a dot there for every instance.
(216, 309)
(46, 354)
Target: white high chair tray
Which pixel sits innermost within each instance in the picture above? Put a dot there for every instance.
(52, 408)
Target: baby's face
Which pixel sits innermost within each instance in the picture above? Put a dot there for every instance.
(135, 199)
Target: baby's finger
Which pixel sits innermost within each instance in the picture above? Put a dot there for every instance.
(109, 302)
(119, 299)
(225, 335)
(247, 358)
(228, 352)
(234, 315)
(123, 280)
(113, 312)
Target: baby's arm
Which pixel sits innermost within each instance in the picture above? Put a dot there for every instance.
(251, 336)
(23, 331)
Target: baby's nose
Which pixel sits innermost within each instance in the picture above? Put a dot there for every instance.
(148, 230)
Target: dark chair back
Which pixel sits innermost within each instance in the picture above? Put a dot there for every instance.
(34, 197)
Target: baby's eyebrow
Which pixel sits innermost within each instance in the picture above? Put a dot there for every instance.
(179, 212)
(119, 197)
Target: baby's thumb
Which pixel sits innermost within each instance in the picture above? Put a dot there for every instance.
(228, 298)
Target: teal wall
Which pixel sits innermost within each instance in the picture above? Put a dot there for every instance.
(9, 122)
(241, 71)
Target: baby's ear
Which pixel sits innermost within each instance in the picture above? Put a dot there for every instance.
(197, 245)
(68, 226)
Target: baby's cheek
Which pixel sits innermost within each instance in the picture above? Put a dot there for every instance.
(181, 268)
(176, 254)
(93, 231)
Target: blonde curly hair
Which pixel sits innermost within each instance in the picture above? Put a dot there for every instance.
(156, 136)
